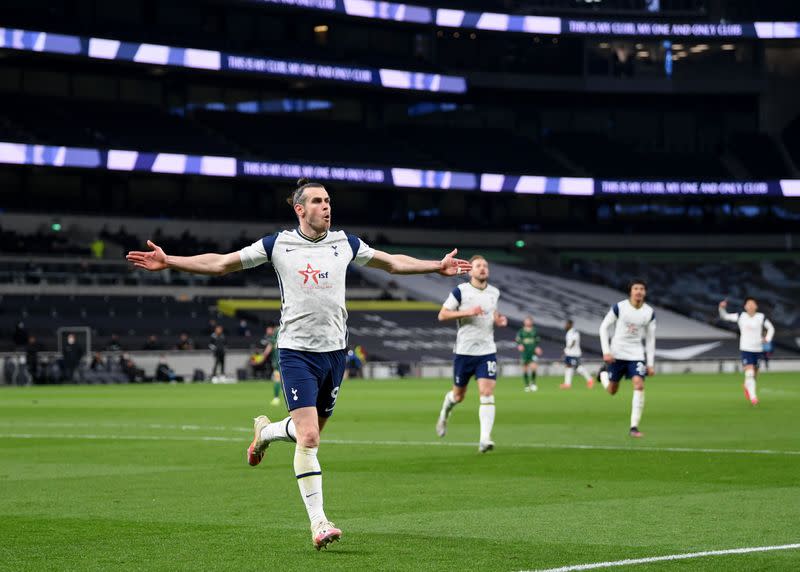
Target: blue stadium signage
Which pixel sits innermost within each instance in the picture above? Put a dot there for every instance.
(160, 55)
(395, 177)
(447, 17)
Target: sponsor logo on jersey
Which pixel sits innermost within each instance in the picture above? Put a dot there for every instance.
(313, 278)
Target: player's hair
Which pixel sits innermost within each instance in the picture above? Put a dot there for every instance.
(634, 282)
(476, 257)
(298, 196)
(748, 298)
(570, 322)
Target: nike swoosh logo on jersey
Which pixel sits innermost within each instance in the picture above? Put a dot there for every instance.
(290, 249)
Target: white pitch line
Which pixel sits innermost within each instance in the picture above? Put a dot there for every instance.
(635, 561)
(128, 437)
(93, 437)
(566, 446)
(182, 427)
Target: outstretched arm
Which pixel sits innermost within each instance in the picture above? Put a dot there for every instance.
(402, 264)
(725, 315)
(209, 263)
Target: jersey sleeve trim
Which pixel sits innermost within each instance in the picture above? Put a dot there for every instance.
(269, 244)
(257, 253)
(457, 294)
(355, 243)
(615, 309)
(362, 252)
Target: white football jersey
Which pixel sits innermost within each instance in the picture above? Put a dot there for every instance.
(631, 326)
(311, 277)
(751, 329)
(475, 336)
(572, 348)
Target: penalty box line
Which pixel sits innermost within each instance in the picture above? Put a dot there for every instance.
(668, 557)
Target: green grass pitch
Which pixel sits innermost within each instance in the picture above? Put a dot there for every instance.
(155, 478)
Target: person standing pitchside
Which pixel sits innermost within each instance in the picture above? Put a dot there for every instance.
(311, 262)
(217, 347)
(270, 343)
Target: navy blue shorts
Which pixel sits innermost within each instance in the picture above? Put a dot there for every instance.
(623, 368)
(312, 379)
(570, 361)
(464, 367)
(752, 358)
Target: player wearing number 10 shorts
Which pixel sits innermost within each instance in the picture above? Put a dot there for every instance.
(474, 305)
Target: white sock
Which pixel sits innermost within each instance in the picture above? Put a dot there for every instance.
(282, 430)
(486, 416)
(447, 406)
(568, 373)
(309, 479)
(604, 379)
(582, 371)
(750, 383)
(637, 406)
